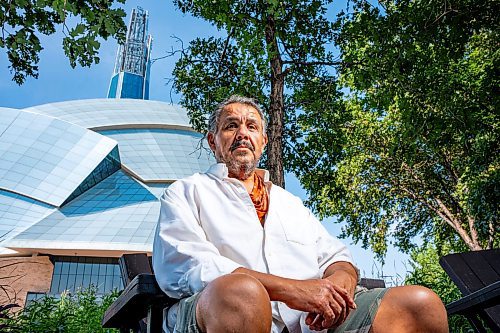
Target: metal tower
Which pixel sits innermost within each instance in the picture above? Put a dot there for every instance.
(133, 61)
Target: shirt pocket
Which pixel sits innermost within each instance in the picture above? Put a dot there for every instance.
(297, 230)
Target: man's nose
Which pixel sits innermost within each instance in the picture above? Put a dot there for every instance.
(242, 133)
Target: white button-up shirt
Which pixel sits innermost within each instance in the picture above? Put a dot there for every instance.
(208, 227)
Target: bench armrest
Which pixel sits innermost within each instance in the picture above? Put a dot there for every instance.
(480, 299)
(133, 304)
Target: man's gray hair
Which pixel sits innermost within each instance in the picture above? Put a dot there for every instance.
(213, 121)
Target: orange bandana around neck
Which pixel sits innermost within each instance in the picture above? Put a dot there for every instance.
(260, 198)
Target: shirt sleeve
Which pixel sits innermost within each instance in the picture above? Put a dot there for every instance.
(330, 249)
(184, 260)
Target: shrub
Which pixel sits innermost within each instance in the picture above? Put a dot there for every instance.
(69, 313)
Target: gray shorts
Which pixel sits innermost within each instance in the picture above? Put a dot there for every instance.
(359, 320)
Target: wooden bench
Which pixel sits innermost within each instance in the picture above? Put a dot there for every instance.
(140, 305)
(477, 276)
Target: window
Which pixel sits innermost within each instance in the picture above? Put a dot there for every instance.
(71, 273)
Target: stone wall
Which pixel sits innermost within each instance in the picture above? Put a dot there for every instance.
(18, 275)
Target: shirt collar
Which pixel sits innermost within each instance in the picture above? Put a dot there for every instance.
(220, 171)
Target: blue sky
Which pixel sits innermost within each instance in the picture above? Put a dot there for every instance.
(59, 82)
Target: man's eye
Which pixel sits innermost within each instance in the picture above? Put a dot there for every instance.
(252, 127)
(231, 125)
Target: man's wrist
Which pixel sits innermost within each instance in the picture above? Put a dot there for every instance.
(344, 275)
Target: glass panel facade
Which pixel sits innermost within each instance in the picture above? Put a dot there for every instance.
(113, 85)
(157, 188)
(132, 86)
(92, 113)
(33, 296)
(46, 158)
(61, 186)
(72, 273)
(17, 213)
(108, 166)
(118, 213)
(161, 154)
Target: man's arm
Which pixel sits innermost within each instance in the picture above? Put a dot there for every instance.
(316, 296)
(184, 260)
(344, 276)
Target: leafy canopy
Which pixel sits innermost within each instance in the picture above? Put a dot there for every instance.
(82, 23)
(271, 48)
(210, 69)
(408, 141)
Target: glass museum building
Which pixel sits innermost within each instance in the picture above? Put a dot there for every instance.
(80, 181)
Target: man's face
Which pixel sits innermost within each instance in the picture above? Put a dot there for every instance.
(239, 141)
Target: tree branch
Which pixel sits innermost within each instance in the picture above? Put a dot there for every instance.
(449, 219)
(472, 228)
(473, 244)
(491, 232)
(224, 50)
(312, 63)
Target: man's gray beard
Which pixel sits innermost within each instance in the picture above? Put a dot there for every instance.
(237, 168)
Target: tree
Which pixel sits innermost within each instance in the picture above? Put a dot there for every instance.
(271, 48)
(407, 141)
(23, 21)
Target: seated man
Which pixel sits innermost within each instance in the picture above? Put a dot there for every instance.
(244, 255)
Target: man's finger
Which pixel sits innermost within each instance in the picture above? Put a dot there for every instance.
(338, 303)
(340, 318)
(347, 298)
(327, 318)
(309, 318)
(316, 320)
(317, 323)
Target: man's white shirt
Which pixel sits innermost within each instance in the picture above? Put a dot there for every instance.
(208, 227)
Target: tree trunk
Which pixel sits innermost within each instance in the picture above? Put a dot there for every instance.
(276, 108)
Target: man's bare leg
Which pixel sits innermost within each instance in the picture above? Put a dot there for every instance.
(410, 309)
(234, 303)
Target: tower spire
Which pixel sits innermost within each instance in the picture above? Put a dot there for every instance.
(133, 61)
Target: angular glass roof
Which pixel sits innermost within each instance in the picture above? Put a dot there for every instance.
(17, 213)
(161, 154)
(157, 188)
(60, 190)
(102, 113)
(46, 158)
(117, 214)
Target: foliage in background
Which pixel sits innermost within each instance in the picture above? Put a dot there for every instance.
(82, 22)
(7, 315)
(272, 47)
(407, 143)
(81, 312)
(427, 272)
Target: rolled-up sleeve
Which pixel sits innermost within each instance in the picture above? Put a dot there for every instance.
(184, 260)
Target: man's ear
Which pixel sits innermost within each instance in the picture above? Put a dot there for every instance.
(211, 140)
(265, 144)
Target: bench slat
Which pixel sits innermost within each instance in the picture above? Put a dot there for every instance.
(473, 271)
(482, 298)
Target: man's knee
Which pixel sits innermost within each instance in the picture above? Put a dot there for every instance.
(233, 300)
(417, 308)
(419, 300)
(236, 288)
